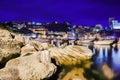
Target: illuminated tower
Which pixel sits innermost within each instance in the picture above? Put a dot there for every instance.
(111, 19)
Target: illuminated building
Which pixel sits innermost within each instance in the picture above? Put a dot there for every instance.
(116, 24)
(97, 28)
(116, 27)
(111, 22)
(42, 31)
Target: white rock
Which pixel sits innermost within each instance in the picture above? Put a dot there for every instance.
(29, 67)
(8, 45)
(70, 55)
(27, 49)
(8, 48)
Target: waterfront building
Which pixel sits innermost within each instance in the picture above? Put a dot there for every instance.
(116, 28)
(41, 31)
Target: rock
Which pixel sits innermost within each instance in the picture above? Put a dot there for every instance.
(7, 74)
(27, 49)
(40, 46)
(46, 45)
(9, 47)
(5, 34)
(70, 55)
(19, 38)
(36, 44)
(33, 46)
(32, 66)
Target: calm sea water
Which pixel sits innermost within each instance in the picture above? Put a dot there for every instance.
(104, 65)
(108, 56)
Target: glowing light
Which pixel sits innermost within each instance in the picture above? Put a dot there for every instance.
(56, 22)
(33, 22)
(38, 23)
(116, 24)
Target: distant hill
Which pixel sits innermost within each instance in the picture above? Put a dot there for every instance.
(59, 27)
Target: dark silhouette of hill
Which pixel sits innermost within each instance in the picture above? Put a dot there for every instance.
(58, 27)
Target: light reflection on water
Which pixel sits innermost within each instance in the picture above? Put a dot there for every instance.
(105, 54)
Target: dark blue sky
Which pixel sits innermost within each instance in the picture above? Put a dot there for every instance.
(81, 12)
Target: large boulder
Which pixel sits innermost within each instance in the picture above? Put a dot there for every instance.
(9, 47)
(70, 55)
(31, 66)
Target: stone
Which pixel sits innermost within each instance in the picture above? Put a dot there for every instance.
(70, 55)
(20, 38)
(9, 47)
(5, 34)
(33, 46)
(32, 66)
(27, 49)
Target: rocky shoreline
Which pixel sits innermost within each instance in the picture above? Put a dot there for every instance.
(25, 59)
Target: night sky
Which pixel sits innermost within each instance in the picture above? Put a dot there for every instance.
(80, 12)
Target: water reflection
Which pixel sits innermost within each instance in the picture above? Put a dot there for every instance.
(104, 55)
